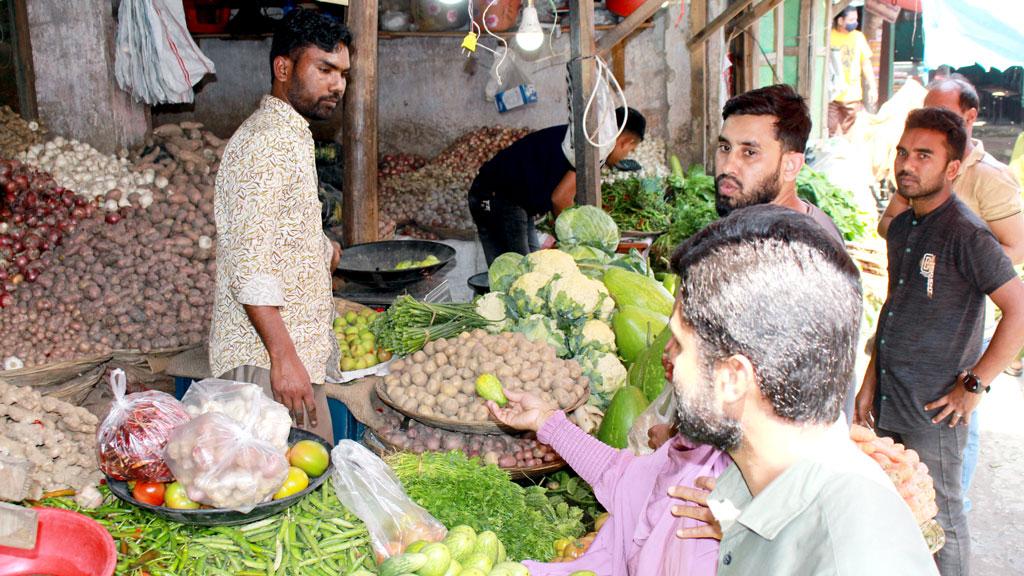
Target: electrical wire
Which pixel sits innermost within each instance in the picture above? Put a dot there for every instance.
(603, 73)
(475, 28)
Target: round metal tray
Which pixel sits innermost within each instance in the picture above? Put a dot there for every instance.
(383, 448)
(218, 517)
(471, 427)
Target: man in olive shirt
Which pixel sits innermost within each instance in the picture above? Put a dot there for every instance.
(927, 373)
(764, 377)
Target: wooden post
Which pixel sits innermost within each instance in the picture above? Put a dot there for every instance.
(698, 91)
(722, 19)
(583, 74)
(780, 42)
(25, 79)
(359, 130)
(804, 59)
(612, 37)
(885, 67)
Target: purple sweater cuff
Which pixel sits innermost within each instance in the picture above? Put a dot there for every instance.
(588, 456)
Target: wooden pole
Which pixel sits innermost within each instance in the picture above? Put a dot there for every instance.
(359, 129)
(26, 80)
(583, 73)
(804, 61)
(780, 42)
(628, 26)
(698, 92)
(721, 20)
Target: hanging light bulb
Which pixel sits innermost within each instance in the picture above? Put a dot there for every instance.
(530, 35)
(450, 2)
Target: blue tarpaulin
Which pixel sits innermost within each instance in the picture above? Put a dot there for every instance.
(960, 33)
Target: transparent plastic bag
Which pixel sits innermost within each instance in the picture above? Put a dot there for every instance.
(661, 411)
(369, 488)
(223, 465)
(246, 403)
(130, 441)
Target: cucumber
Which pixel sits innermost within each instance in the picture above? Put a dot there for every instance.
(438, 560)
(402, 564)
(487, 544)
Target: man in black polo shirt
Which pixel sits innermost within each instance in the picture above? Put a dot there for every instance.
(927, 373)
(530, 178)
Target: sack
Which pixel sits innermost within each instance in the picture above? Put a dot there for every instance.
(130, 441)
(223, 465)
(246, 403)
(661, 411)
(603, 107)
(156, 59)
(370, 489)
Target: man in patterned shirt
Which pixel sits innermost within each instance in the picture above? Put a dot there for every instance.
(273, 307)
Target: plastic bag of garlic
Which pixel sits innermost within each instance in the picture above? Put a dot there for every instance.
(650, 154)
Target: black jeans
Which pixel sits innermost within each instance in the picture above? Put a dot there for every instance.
(501, 225)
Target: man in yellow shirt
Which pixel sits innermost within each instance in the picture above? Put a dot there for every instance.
(850, 48)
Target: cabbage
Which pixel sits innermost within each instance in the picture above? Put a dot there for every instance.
(504, 271)
(587, 226)
(589, 254)
(538, 328)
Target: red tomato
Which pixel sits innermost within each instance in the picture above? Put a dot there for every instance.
(149, 493)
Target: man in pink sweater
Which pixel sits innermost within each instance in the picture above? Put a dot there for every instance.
(764, 329)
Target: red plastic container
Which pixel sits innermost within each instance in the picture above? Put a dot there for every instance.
(206, 16)
(67, 543)
(623, 7)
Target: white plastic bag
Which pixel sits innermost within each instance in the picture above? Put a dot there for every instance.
(370, 489)
(257, 413)
(661, 411)
(603, 106)
(156, 59)
(221, 464)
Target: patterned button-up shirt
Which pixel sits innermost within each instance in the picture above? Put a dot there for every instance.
(271, 248)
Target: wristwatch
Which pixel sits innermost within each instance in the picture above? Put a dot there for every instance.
(973, 384)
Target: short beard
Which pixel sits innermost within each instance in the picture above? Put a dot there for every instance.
(764, 192)
(700, 421)
(306, 106)
(922, 193)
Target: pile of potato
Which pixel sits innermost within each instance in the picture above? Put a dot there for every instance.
(138, 279)
(440, 380)
(435, 195)
(501, 450)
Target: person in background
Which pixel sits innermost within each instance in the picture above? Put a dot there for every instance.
(762, 379)
(853, 53)
(273, 304)
(927, 372)
(991, 191)
(530, 178)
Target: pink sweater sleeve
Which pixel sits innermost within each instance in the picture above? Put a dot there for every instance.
(597, 463)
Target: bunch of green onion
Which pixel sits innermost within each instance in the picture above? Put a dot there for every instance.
(409, 324)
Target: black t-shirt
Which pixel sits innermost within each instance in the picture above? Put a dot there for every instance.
(941, 266)
(527, 172)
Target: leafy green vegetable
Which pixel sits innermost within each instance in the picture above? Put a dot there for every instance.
(566, 486)
(838, 203)
(693, 207)
(637, 204)
(458, 490)
(587, 226)
(504, 271)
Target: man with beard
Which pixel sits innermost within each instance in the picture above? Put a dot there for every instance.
(761, 151)
(273, 306)
(927, 373)
(762, 378)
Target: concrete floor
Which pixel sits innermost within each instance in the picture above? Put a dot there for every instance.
(997, 519)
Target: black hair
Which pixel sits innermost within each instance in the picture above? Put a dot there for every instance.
(792, 118)
(768, 283)
(842, 14)
(968, 95)
(945, 121)
(635, 121)
(301, 28)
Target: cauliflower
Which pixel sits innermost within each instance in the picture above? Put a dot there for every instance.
(577, 296)
(606, 374)
(539, 328)
(552, 263)
(492, 307)
(593, 334)
(529, 292)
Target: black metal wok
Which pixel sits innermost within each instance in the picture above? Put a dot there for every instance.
(373, 263)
